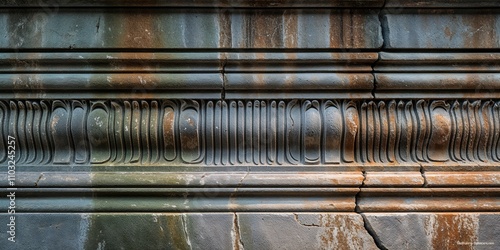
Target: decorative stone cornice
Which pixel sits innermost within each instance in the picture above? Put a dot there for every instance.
(252, 132)
(326, 124)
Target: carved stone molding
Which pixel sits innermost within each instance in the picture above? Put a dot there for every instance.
(252, 132)
(250, 124)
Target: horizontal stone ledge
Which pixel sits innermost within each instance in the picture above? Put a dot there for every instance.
(462, 179)
(205, 179)
(198, 3)
(428, 200)
(291, 177)
(402, 4)
(140, 93)
(185, 62)
(332, 82)
(258, 199)
(132, 82)
(194, 132)
(393, 179)
(437, 85)
(438, 62)
(181, 199)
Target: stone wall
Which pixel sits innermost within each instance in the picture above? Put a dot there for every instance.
(237, 124)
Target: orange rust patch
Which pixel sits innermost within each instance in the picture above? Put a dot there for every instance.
(450, 229)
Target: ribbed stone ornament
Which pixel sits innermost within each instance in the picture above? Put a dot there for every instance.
(207, 124)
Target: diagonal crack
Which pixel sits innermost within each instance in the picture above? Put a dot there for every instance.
(38, 180)
(366, 223)
(371, 232)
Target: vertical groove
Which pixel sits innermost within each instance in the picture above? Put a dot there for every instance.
(233, 133)
(31, 150)
(281, 133)
(135, 129)
(21, 133)
(263, 133)
(210, 148)
(256, 132)
(272, 135)
(218, 133)
(248, 132)
(3, 124)
(241, 132)
(144, 132)
(392, 137)
(225, 134)
(118, 131)
(154, 132)
(384, 132)
(127, 131)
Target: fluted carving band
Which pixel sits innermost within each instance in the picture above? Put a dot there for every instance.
(252, 132)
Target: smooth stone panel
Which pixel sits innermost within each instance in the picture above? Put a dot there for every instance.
(441, 29)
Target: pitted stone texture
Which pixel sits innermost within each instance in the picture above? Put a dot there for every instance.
(304, 231)
(435, 230)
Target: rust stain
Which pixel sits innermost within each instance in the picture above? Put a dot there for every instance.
(448, 33)
(290, 26)
(336, 29)
(357, 29)
(450, 229)
(267, 27)
(341, 232)
(225, 35)
(140, 31)
(347, 30)
(481, 33)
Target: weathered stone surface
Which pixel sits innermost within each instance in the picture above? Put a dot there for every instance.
(214, 124)
(196, 3)
(435, 230)
(439, 75)
(425, 199)
(443, 29)
(190, 231)
(403, 4)
(303, 231)
(121, 231)
(203, 28)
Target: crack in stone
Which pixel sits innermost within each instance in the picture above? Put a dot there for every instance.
(223, 75)
(382, 31)
(366, 223)
(356, 197)
(372, 232)
(186, 235)
(296, 217)
(240, 183)
(422, 172)
(237, 242)
(38, 180)
(98, 25)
